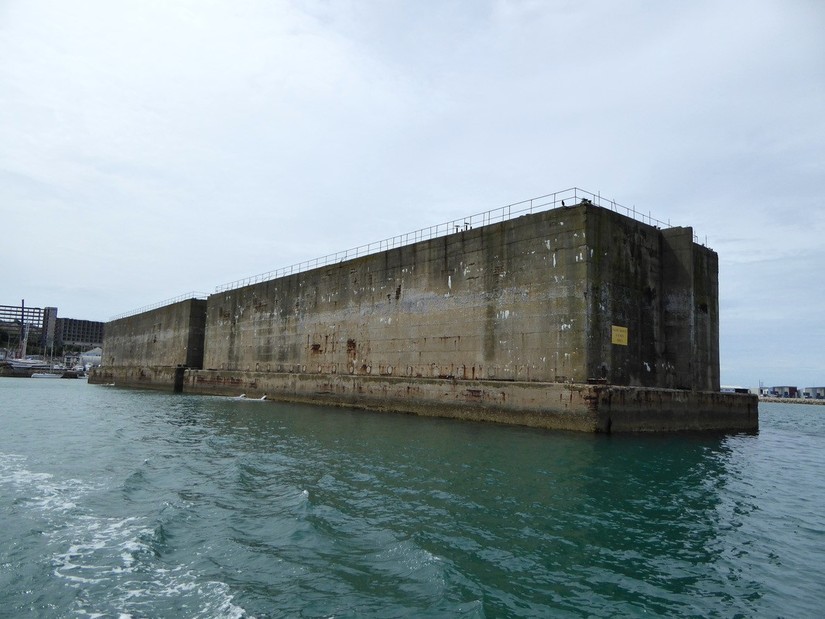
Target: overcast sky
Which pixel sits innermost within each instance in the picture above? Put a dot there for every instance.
(151, 148)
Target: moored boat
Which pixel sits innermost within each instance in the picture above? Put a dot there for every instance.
(22, 367)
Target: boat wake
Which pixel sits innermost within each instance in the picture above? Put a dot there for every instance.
(118, 566)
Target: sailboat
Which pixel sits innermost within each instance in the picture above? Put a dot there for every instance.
(19, 365)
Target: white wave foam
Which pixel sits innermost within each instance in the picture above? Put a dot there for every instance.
(112, 561)
(40, 490)
(116, 559)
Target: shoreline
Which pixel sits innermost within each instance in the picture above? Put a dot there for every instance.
(790, 400)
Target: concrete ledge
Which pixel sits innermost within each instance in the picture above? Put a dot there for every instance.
(557, 406)
(159, 378)
(638, 409)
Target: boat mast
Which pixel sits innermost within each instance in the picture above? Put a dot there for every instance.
(24, 331)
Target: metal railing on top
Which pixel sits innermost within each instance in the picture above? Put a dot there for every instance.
(568, 197)
(183, 297)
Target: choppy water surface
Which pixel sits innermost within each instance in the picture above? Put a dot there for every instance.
(120, 503)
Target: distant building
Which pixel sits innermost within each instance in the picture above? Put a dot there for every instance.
(784, 392)
(91, 358)
(79, 333)
(40, 326)
(813, 393)
(36, 325)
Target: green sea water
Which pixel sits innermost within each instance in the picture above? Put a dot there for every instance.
(119, 503)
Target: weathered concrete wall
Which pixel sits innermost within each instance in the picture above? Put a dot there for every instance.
(679, 307)
(705, 353)
(690, 305)
(663, 288)
(537, 298)
(168, 336)
(504, 301)
(624, 280)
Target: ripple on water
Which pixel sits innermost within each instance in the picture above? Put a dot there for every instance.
(117, 566)
(197, 507)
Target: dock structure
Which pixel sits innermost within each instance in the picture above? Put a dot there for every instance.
(572, 317)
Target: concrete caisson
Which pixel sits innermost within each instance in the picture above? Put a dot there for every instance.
(151, 349)
(500, 322)
(537, 298)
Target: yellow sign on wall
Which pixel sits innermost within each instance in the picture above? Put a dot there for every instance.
(619, 335)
